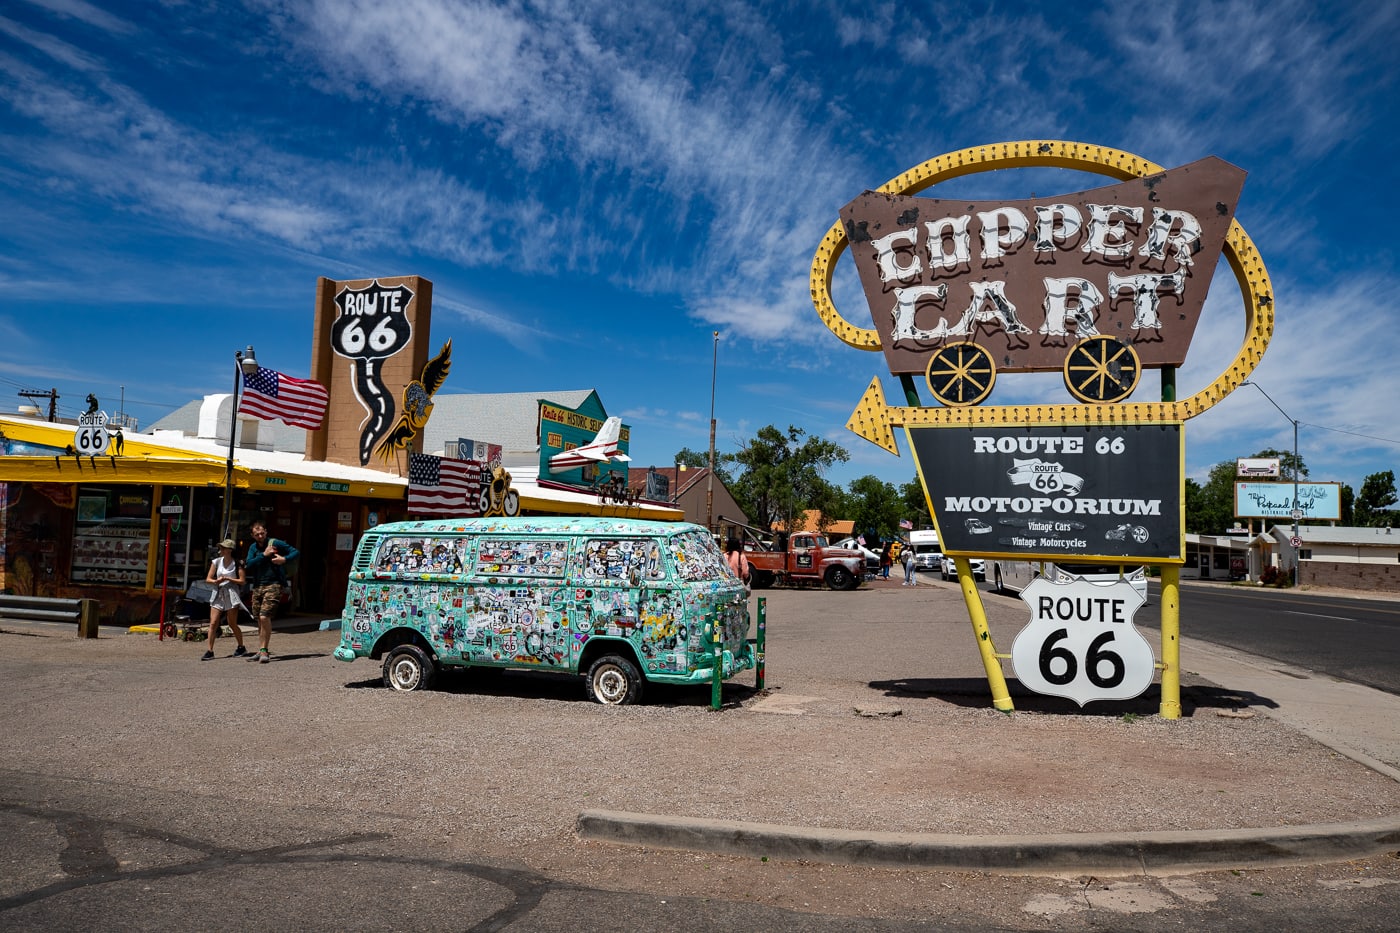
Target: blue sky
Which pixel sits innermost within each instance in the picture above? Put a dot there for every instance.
(594, 188)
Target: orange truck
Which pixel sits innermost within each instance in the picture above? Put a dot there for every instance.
(802, 558)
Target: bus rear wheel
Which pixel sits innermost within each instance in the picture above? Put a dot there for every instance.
(408, 667)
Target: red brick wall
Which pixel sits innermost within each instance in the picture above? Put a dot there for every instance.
(1352, 576)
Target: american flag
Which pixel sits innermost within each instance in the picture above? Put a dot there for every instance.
(439, 486)
(906, 524)
(268, 394)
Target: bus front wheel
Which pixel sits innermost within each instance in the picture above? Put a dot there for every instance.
(408, 667)
(614, 681)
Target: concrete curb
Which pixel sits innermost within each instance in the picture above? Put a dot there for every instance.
(1098, 853)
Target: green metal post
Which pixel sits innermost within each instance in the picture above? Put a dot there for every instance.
(911, 393)
(1170, 707)
(762, 640)
(715, 690)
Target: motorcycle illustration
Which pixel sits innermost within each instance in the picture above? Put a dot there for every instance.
(498, 498)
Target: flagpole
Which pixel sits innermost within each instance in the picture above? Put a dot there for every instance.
(710, 477)
(244, 361)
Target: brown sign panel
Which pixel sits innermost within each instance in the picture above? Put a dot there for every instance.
(1027, 280)
(370, 343)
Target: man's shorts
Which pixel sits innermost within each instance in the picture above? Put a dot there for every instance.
(266, 599)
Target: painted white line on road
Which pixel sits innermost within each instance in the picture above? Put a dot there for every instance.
(1316, 615)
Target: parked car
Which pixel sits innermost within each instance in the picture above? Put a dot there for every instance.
(950, 570)
(872, 560)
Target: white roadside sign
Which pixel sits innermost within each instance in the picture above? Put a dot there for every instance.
(1081, 643)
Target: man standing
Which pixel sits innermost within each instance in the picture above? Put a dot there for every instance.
(266, 570)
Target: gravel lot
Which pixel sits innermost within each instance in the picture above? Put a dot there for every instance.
(877, 716)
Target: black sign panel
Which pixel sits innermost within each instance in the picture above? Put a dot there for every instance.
(1056, 491)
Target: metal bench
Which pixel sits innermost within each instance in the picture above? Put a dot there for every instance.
(51, 609)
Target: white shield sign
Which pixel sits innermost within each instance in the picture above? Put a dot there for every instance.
(1081, 643)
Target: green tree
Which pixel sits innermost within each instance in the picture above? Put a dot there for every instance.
(874, 505)
(1375, 499)
(1210, 508)
(916, 504)
(780, 475)
(689, 458)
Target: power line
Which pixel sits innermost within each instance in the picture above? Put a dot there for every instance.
(1369, 437)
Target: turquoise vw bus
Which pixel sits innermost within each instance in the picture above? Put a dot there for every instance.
(621, 601)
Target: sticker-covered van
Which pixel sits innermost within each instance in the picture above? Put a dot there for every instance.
(620, 601)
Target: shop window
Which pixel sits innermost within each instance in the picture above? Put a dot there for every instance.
(111, 535)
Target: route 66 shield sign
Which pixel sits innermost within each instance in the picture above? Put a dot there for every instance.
(1081, 643)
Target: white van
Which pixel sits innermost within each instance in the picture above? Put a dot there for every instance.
(928, 553)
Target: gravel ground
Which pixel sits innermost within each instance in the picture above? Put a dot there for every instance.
(876, 716)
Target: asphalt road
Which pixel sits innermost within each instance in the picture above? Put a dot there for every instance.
(1346, 637)
(1357, 640)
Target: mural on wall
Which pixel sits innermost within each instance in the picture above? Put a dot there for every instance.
(370, 350)
(580, 449)
(472, 484)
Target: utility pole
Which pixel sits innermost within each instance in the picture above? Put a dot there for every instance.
(52, 395)
(1297, 512)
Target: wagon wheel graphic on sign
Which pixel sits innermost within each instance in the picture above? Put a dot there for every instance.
(961, 374)
(1102, 369)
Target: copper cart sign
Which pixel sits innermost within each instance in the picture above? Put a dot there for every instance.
(1026, 280)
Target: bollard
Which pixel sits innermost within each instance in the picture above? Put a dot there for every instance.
(87, 618)
(759, 645)
(716, 690)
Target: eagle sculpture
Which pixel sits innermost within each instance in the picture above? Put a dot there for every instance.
(417, 403)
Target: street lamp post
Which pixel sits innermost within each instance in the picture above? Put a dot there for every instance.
(245, 363)
(1296, 514)
(710, 479)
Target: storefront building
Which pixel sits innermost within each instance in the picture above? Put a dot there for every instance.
(133, 529)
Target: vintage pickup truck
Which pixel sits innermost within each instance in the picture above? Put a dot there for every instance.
(801, 558)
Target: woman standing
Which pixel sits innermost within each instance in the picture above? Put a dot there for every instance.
(226, 573)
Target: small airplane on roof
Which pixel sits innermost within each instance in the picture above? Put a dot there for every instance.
(599, 450)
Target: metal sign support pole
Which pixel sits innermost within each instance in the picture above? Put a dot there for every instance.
(1170, 707)
(1001, 697)
(1171, 642)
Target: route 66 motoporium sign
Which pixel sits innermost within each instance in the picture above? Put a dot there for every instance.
(1111, 491)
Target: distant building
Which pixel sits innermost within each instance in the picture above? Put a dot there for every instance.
(690, 490)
